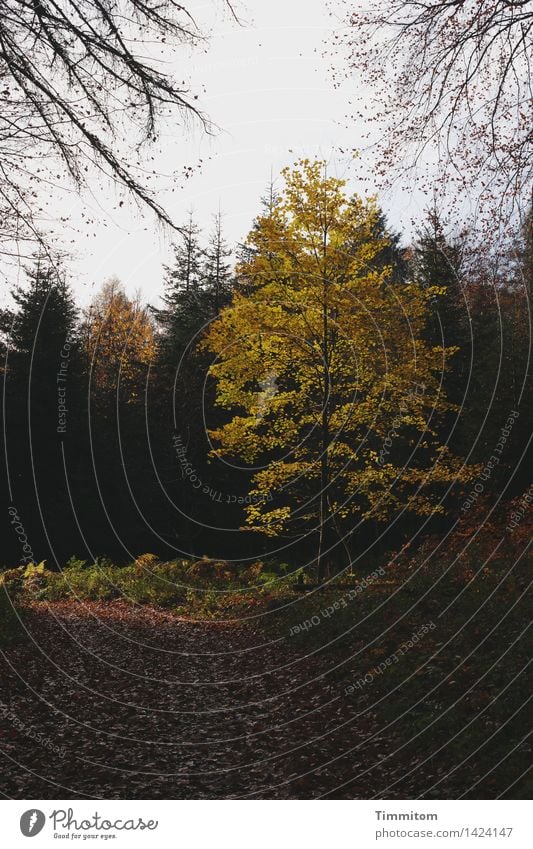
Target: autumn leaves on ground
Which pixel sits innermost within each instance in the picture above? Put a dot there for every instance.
(326, 446)
(408, 681)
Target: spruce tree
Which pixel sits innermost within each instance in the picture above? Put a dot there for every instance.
(45, 315)
(184, 298)
(392, 254)
(42, 390)
(176, 397)
(217, 275)
(438, 263)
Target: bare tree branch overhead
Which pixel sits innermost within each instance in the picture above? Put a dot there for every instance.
(77, 78)
(452, 79)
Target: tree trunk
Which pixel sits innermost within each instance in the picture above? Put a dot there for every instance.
(322, 556)
(324, 515)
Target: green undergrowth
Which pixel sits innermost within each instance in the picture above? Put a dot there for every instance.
(203, 588)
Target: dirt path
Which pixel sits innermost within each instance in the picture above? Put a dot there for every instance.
(109, 702)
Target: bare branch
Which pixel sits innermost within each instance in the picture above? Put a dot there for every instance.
(452, 78)
(77, 79)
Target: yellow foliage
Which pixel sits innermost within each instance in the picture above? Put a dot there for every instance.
(318, 317)
(119, 341)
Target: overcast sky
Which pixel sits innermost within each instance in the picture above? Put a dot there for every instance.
(269, 88)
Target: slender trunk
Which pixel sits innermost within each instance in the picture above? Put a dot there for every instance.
(324, 460)
(217, 275)
(324, 506)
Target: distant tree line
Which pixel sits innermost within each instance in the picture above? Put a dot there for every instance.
(130, 428)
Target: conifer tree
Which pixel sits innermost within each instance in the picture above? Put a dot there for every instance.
(438, 262)
(177, 389)
(42, 369)
(46, 313)
(184, 297)
(217, 272)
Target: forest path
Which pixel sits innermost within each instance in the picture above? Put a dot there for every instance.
(119, 702)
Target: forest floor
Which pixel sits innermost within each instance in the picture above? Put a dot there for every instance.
(106, 700)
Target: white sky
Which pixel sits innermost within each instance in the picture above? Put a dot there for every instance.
(270, 91)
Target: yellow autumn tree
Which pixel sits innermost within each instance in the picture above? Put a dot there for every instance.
(323, 363)
(119, 341)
